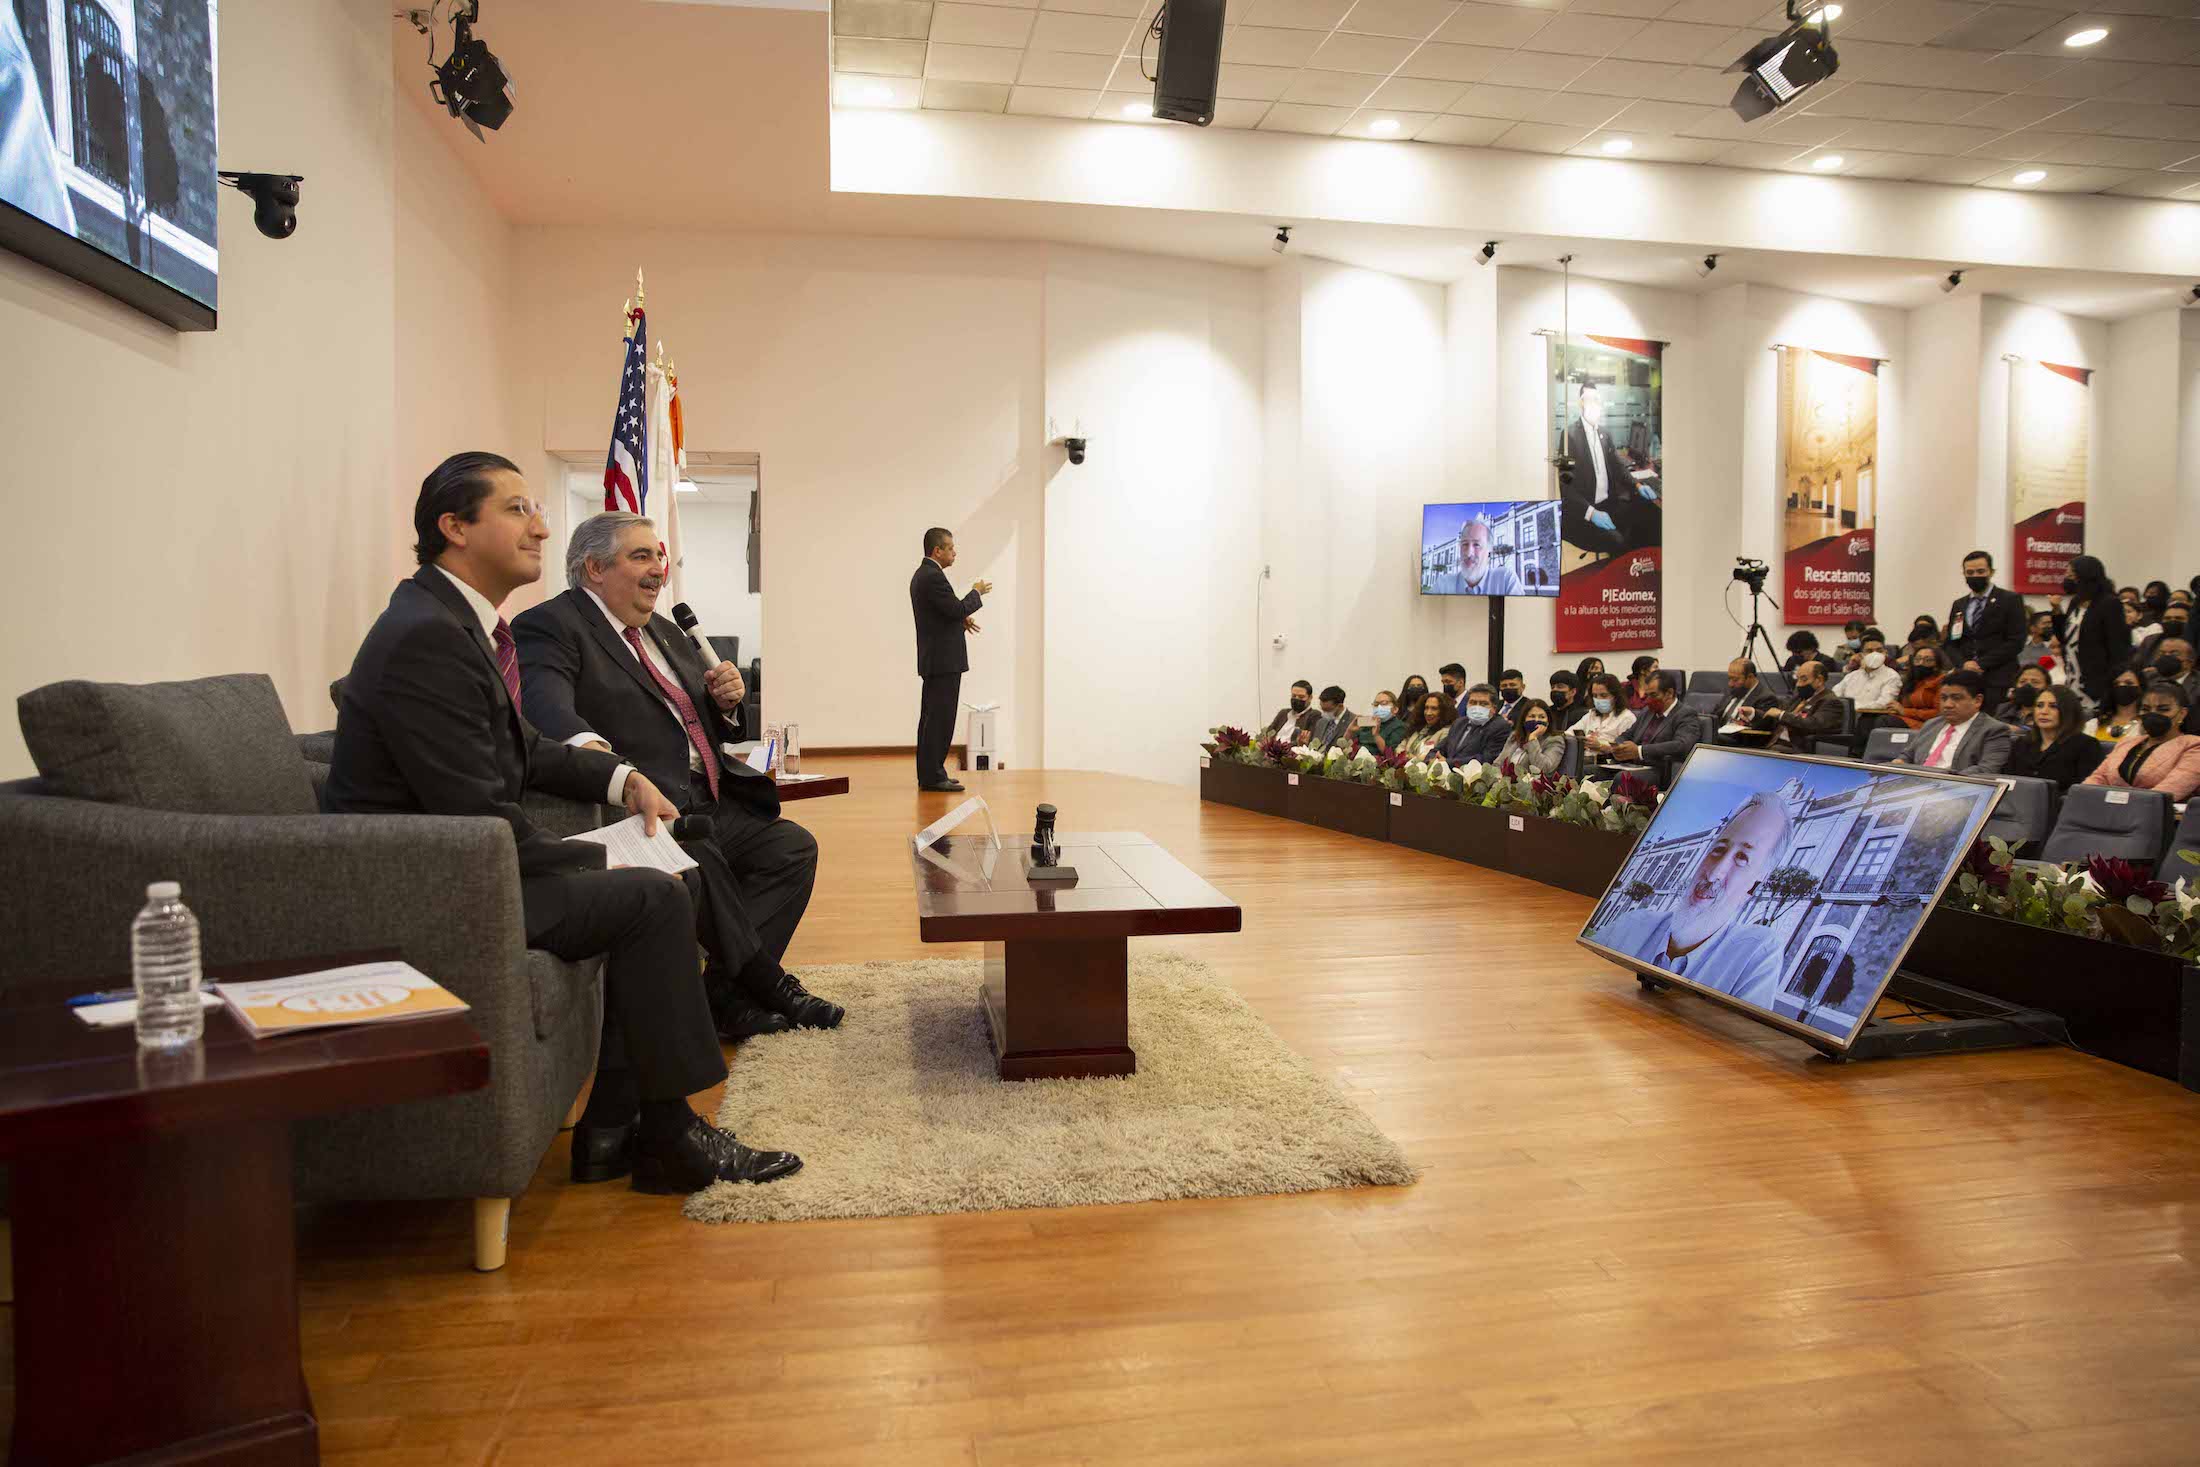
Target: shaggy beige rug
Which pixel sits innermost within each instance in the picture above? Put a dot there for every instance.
(899, 1112)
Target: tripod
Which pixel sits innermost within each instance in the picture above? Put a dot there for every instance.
(1757, 636)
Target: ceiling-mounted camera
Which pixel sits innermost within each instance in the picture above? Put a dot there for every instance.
(274, 199)
(471, 83)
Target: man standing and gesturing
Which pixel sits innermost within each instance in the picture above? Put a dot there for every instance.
(431, 722)
(943, 620)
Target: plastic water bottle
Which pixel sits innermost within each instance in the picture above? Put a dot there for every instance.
(164, 962)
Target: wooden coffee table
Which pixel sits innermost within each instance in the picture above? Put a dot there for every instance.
(156, 1290)
(1057, 958)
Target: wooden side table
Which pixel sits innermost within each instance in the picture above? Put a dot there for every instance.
(156, 1290)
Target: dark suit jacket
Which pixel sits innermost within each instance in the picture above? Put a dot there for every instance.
(941, 641)
(577, 675)
(1997, 639)
(1468, 742)
(1581, 495)
(1667, 745)
(2104, 644)
(1806, 721)
(1982, 748)
(2066, 761)
(1758, 696)
(426, 727)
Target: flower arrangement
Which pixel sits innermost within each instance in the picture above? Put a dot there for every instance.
(1275, 753)
(2105, 899)
(1390, 769)
(1232, 744)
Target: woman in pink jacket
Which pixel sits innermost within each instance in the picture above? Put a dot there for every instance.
(2155, 756)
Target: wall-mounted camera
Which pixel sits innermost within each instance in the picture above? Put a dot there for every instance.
(274, 199)
(1073, 442)
(1075, 448)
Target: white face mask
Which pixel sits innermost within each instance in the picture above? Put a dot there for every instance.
(1875, 660)
(1382, 710)
(1603, 705)
(1476, 713)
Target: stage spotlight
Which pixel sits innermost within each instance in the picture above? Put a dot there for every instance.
(471, 84)
(1487, 254)
(1283, 238)
(1781, 68)
(1955, 278)
(274, 199)
(1707, 264)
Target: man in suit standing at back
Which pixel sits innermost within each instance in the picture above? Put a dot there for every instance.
(600, 669)
(431, 722)
(943, 620)
(1986, 628)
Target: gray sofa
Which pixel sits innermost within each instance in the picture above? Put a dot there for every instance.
(203, 782)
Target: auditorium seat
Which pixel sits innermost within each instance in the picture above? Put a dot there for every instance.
(2026, 813)
(1708, 682)
(1569, 766)
(1839, 745)
(1777, 681)
(203, 782)
(2187, 838)
(2099, 821)
(1705, 702)
(1885, 743)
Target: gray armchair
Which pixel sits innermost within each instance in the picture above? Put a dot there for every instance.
(203, 783)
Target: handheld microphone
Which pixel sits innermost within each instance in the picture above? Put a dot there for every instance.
(683, 615)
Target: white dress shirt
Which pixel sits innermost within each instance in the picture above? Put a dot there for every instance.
(649, 654)
(1949, 738)
(1595, 436)
(1871, 689)
(486, 613)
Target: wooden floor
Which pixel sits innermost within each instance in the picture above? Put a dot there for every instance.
(1648, 1232)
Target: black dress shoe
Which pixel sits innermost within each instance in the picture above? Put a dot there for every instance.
(804, 1008)
(701, 1155)
(739, 1019)
(942, 787)
(603, 1153)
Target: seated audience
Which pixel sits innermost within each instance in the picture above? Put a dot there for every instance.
(1511, 688)
(2155, 756)
(1336, 723)
(2121, 715)
(1297, 717)
(1410, 694)
(2017, 705)
(2173, 662)
(2038, 629)
(1852, 639)
(2055, 747)
(2143, 628)
(1924, 632)
(1920, 701)
(1745, 694)
(1641, 676)
(1479, 733)
(1812, 713)
(1960, 738)
(1533, 748)
(1588, 670)
(1667, 731)
(1453, 679)
(1567, 702)
(2016, 710)
(1802, 646)
(1874, 686)
(1431, 725)
(1383, 729)
(1608, 719)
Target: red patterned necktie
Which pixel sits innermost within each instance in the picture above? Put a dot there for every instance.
(682, 705)
(507, 660)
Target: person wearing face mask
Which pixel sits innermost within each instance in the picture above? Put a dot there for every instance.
(1511, 688)
(1986, 627)
(1295, 720)
(2121, 714)
(1641, 673)
(1608, 717)
(1567, 703)
(2039, 635)
(2091, 625)
(1432, 722)
(1453, 679)
(1383, 729)
(1335, 724)
(1410, 693)
(1874, 685)
(1852, 639)
(2176, 627)
(1745, 694)
(2156, 756)
(1589, 669)
(1666, 733)
(1813, 713)
(1802, 647)
(1533, 749)
(1920, 701)
(1960, 737)
(2017, 707)
(2055, 747)
(2173, 663)
(1479, 733)
(1924, 632)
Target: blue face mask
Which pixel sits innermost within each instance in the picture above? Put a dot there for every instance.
(1476, 713)
(1603, 705)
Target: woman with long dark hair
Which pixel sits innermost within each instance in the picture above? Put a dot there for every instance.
(1921, 685)
(2095, 638)
(1432, 722)
(2056, 746)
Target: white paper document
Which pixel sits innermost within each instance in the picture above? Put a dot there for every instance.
(627, 846)
(121, 1011)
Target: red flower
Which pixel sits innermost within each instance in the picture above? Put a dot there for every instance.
(1395, 759)
(1505, 767)
(1274, 751)
(1979, 862)
(2119, 879)
(1544, 786)
(1232, 738)
(1633, 789)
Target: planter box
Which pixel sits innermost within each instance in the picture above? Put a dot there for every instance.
(2137, 1008)
(1353, 809)
(1571, 857)
(1442, 826)
(1255, 787)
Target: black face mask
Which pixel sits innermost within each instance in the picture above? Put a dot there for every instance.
(2170, 668)
(1921, 633)
(1560, 697)
(1453, 689)
(2156, 725)
(1978, 584)
(2174, 627)
(2070, 585)
(2126, 694)
(1298, 705)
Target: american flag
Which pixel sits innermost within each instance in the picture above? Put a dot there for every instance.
(626, 468)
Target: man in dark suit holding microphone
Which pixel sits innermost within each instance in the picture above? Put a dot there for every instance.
(943, 620)
(601, 669)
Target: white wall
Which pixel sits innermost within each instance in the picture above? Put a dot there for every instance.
(223, 502)
(2132, 516)
(2012, 328)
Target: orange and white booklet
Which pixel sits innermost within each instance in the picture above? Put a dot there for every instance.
(364, 993)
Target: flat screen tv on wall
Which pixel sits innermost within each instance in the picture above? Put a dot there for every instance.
(1789, 887)
(1491, 547)
(107, 158)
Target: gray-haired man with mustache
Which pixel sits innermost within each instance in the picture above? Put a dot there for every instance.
(1703, 937)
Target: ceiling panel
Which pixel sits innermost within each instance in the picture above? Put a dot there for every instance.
(1966, 92)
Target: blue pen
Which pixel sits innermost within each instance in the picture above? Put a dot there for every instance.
(86, 1000)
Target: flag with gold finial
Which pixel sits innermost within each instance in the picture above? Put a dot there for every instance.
(666, 469)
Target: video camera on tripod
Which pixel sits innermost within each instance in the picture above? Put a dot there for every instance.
(1751, 573)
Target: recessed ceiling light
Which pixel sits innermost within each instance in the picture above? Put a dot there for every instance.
(1827, 162)
(1138, 109)
(1619, 145)
(1383, 125)
(2030, 175)
(2091, 35)
(877, 94)
(1825, 13)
